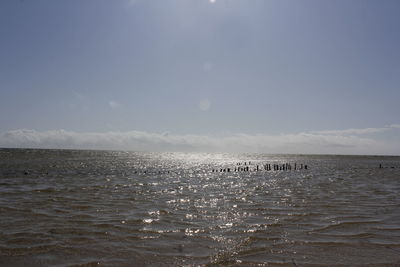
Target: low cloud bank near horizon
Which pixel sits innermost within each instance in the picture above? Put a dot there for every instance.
(351, 141)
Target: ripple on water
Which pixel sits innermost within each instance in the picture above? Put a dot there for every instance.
(114, 208)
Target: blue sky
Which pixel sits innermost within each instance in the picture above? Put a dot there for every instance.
(270, 76)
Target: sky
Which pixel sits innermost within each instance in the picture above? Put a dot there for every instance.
(266, 76)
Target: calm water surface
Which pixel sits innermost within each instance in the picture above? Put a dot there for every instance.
(90, 208)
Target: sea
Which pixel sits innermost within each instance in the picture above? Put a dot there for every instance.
(121, 208)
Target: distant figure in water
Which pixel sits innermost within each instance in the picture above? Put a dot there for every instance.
(380, 166)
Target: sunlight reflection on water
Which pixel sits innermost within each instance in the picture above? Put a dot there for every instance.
(171, 208)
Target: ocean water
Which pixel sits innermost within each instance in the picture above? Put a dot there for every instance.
(105, 208)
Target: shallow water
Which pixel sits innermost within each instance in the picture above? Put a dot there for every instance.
(64, 207)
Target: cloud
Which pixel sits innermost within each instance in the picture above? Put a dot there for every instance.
(360, 131)
(394, 126)
(354, 131)
(329, 142)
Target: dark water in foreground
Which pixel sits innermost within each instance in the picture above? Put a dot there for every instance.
(62, 208)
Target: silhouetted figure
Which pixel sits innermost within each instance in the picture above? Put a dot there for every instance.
(305, 167)
(380, 166)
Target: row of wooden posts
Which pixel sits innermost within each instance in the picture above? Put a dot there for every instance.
(242, 167)
(386, 167)
(245, 167)
(265, 167)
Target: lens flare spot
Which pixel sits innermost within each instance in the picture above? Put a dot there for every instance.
(204, 104)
